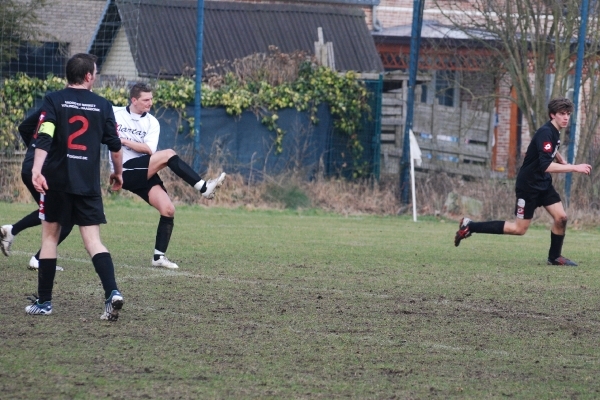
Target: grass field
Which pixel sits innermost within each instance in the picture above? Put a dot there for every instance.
(304, 305)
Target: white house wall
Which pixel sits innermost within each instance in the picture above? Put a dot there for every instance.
(119, 62)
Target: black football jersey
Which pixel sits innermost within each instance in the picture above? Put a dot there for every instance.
(540, 153)
(83, 122)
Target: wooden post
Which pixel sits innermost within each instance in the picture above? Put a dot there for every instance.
(324, 51)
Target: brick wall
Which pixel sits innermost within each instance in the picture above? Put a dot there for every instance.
(503, 126)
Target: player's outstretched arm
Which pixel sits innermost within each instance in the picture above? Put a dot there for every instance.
(581, 168)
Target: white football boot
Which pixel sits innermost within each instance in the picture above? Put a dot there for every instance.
(6, 239)
(164, 262)
(212, 185)
(34, 264)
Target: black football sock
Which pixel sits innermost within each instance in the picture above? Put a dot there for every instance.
(556, 243)
(28, 221)
(46, 273)
(182, 170)
(492, 227)
(64, 232)
(105, 269)
(163, 235)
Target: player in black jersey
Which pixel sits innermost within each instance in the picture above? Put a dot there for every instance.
(27, 130)
(74, 123)
(534, 186)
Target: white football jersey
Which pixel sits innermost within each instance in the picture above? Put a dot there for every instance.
(137, 128)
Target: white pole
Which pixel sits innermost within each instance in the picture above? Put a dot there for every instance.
(412, 184)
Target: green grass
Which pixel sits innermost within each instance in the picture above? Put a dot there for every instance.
(284, 304)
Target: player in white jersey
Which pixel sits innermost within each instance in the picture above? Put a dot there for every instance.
(139, 132)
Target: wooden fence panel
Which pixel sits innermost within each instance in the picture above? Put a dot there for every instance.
(452, 139)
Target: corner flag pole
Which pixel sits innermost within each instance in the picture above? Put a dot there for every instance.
(412, 187)
(415, 44)
(415, 155)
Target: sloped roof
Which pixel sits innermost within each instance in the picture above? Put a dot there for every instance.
(162, 37)
(77, 35)
(432, 29)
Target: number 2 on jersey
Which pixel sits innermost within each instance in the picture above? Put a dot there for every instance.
(78, 132)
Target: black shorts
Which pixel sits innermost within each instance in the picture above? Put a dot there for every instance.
(28, 181)
(135, 177)
(68, 209)
(534, 200)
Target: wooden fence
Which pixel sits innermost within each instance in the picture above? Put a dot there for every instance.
(456, 140)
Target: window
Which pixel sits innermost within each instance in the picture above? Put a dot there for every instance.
(443, 89)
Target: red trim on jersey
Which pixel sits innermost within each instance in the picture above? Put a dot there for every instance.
(547, 147)
(40, 121)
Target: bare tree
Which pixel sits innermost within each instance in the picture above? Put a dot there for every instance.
(536, 44)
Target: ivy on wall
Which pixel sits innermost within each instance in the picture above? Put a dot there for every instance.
(345, 94)
(17, 96)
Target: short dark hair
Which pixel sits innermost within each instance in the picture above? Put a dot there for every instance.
(78, 67)
(136, 90)
(560, 104)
